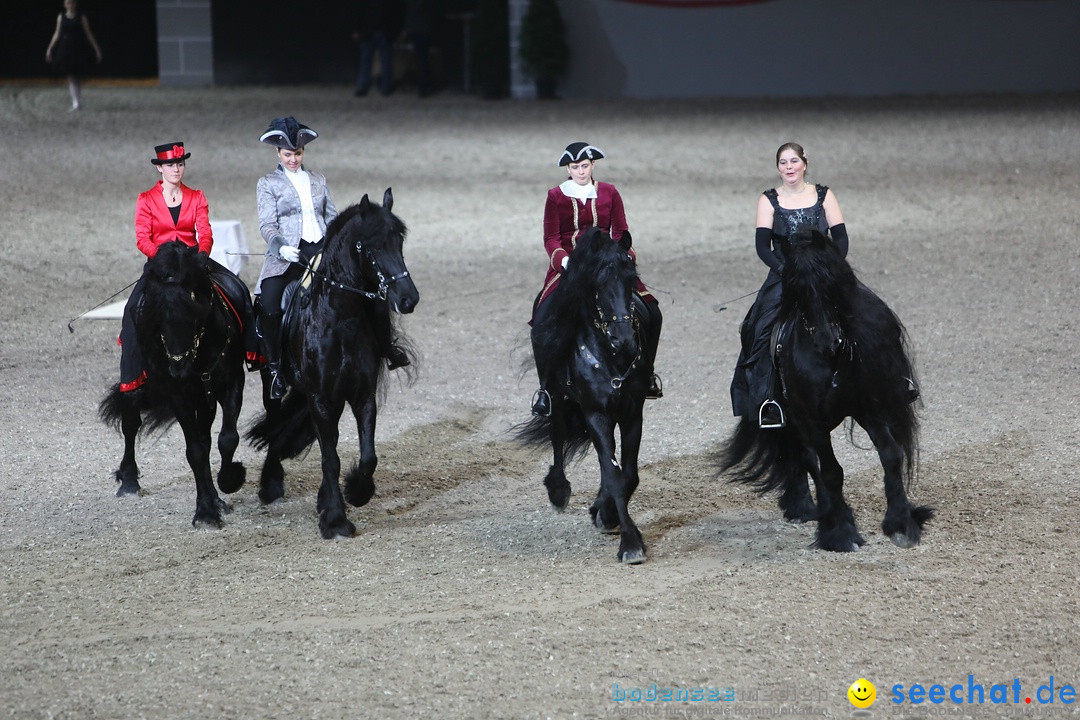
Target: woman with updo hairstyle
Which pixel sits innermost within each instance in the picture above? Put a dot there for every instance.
(781, 210)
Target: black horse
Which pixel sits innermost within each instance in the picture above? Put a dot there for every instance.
(840, 352)
(591, 333)
(332, 357)
(193, 346)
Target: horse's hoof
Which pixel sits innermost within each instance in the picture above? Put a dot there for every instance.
(338, 531)
(124, 491)
(606, 529)
(231, 478)
(902, 540)
(559, 497)
(633, 557)
(269, 497)
(207, 523)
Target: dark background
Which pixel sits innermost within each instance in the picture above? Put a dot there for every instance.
(126, 30)
(270, 42)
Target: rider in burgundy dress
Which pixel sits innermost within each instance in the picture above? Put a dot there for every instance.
(572, 207)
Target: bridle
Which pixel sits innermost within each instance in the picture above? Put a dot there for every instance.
(384, 281)
(603, 323)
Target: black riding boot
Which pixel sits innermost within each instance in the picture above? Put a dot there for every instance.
(269, 327)
(656, 321)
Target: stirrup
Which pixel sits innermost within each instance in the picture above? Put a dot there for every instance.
(771, 425)
(656, 388)
(541, 405)
(278, 387)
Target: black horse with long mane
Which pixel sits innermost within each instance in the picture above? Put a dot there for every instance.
(592, 335)
(193, 345)
(840, 352)
(331, 357)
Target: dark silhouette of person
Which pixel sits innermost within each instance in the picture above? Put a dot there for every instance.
(378, 24)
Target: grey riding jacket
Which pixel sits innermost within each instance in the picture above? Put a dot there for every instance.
(281, 217)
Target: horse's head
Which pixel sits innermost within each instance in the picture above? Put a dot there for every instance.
(604, 269)
(377, 239)
(176, 302)
(818, 285)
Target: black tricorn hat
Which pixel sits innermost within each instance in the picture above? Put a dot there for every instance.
(169, 153)
(288, 134)
(578, 151)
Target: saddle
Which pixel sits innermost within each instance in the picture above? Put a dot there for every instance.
(236, 296)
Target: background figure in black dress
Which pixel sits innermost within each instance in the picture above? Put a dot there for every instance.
(71, 46)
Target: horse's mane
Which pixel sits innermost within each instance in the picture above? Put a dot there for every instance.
(372, 225)
(818, 279)
(596, 261)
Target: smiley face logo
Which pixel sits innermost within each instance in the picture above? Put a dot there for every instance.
(862, 693)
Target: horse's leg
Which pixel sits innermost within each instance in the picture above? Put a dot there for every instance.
(614, 487)
(272, 477)
(128, 473)
(795, 500)
(231, 475)
(606, 516)
(903, 524)
(196, 425)
(558, 487)
(359, 482)
(836, 529)
(333, 522)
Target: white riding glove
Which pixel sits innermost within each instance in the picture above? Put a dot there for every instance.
(565, 262)
(289, 254)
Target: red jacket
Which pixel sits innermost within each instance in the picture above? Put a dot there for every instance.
(565, 218)
(154, 224)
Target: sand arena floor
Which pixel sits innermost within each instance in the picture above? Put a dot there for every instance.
(464, 595)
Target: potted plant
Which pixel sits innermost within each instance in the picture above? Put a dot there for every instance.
(544, 52)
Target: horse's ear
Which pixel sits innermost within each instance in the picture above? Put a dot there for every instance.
(626, 242)
(388, 199)
(365, 204)
(820, 239)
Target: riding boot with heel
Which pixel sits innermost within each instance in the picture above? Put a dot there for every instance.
(269, 327)
(541, 406)
(396, 357)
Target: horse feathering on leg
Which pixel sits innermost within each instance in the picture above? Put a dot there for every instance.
(193, 346)
(840, 352)
(331, 357)
(589, 335)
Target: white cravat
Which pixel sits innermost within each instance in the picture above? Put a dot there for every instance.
(302, 182)
(584, 193)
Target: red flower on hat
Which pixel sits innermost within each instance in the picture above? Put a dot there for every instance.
(177, 151)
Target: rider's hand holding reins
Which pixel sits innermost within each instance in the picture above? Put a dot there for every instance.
(289, 254)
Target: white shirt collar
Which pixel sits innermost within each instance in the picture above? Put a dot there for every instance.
(581, 192)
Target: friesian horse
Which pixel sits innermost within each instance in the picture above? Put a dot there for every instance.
(193, 345)
(840, 352)
(331, 357)
(592, 336)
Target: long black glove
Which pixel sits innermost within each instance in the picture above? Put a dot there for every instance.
(839, 236)
(763, 243)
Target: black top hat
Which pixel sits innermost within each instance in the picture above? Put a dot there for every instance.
(170, 153)
(578, 151)
(288, 134)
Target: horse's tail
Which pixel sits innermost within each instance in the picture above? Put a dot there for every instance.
(764, 459)
(289, 430)
(536, 432)
(156, 411)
